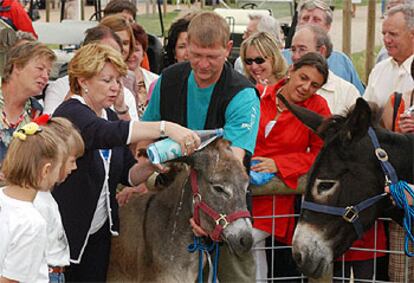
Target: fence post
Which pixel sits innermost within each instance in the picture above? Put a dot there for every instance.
(370, 48)
(346, 28)
(82, 10)
(47, 10)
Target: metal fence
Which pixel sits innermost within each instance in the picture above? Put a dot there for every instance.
(277, 273)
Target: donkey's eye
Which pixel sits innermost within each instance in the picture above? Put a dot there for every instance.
(219, 189)
(325, 186)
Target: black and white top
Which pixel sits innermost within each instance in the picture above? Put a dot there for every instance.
(92, 187)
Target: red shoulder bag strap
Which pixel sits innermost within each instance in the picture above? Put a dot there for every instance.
(397, 102)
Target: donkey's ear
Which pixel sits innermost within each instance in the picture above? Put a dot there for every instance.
(358, 121)
(200, 159)
(195, 160)
(189, 160)
(311, 119)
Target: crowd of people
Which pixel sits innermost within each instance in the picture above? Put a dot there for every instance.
(63, 157)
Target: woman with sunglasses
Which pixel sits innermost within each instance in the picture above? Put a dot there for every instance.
(286, 148)
(262, 61)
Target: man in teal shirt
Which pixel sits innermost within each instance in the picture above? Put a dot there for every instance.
(207, 93)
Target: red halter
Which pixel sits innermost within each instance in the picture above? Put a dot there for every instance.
(221, 220)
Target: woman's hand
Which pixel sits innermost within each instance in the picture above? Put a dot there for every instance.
(187, 138)
(125, 195)
(119, 104)
(197, 230)
(406, 123)
(407, 195)
(266, 165)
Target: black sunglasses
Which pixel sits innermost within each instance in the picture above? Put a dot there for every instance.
(257, 60)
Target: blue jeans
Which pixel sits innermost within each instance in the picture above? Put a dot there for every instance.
(57, 277)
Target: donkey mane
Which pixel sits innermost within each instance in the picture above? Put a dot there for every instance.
(335, 122)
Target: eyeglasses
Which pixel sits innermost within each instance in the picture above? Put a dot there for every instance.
(257, 60)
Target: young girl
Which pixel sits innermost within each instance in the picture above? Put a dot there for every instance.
(32, 164)
(57, 254)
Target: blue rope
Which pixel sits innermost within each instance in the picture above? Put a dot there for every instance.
(199, 246)
(215, 262)
(397, 192)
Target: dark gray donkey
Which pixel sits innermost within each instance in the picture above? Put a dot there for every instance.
(155, 229)
(345, 175)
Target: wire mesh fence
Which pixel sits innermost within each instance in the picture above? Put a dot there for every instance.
(274, 262)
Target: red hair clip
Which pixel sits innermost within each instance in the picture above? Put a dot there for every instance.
(42, 119)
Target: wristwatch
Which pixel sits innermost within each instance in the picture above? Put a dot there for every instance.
(162, 129)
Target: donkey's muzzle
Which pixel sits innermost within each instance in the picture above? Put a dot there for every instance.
(311, 252)
(239, 236)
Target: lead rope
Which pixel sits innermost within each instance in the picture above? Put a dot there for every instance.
(199, 246)
(397, 193)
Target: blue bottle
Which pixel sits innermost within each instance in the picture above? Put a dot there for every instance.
(167, 149)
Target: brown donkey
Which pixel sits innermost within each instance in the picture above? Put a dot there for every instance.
(155, 229)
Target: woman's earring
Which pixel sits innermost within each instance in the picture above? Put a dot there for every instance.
(85, 89)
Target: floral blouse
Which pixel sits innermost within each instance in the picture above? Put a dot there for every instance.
(32, 109)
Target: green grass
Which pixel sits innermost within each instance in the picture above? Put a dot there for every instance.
(359, 59)
(151, 22)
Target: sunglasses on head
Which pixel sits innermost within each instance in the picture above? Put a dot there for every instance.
(257, 60)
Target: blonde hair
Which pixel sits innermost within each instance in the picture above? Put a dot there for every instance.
(25, 158)
(266, 45)
(66, 131)
(118, 23)
(208, 29)
(89, 60)
(21, 55)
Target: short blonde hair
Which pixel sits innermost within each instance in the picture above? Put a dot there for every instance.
(21, 55)
(89, 60)
(66, 131)
(118, 23)
(266, 45)
(208, 29)
(25, 158)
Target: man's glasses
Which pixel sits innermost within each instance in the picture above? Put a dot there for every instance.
(257, 60)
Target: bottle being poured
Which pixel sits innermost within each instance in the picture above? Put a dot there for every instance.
(167, 149)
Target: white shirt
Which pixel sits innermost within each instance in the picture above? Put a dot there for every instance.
(23, 241)
(238, 66)
(57, 244)
(103, 207)
(57, 90)
(388, 77)
(339, 94)
(148, 77)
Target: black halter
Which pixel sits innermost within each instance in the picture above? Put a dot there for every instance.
(351, 213)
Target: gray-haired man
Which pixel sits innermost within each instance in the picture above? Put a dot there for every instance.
(318, 12)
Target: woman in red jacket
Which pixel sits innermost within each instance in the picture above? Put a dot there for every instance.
(286, 148)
